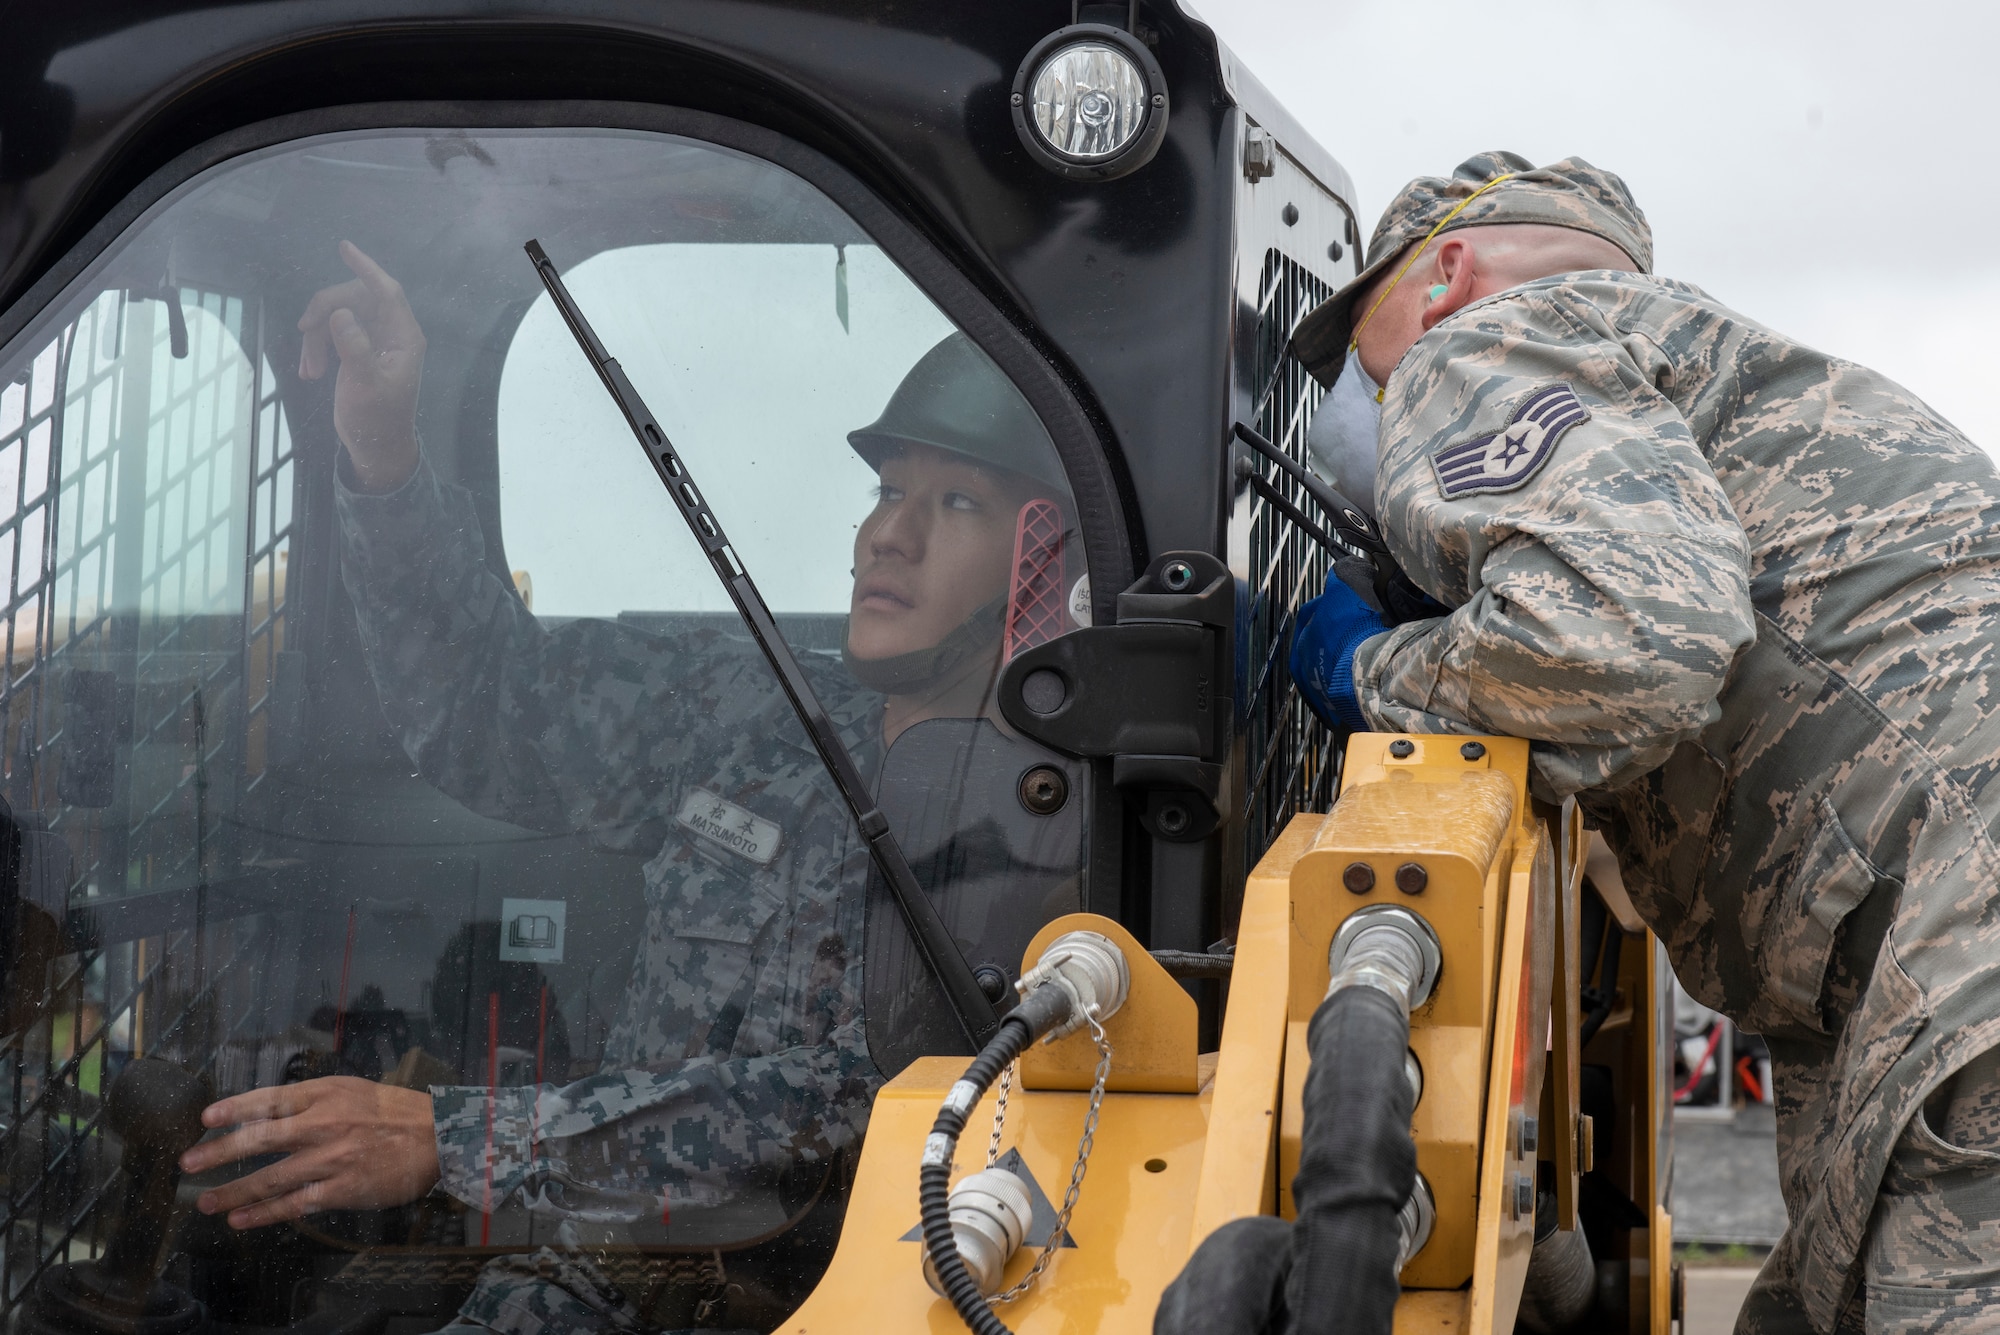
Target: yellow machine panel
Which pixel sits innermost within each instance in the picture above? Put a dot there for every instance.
(1442, 826)
(1132, 1220)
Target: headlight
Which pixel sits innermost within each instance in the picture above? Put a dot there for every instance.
(1090, 102)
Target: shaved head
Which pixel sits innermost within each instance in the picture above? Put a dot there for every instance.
(1523, 252)
(1470, 263)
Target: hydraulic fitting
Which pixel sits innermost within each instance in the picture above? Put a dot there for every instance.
(1387, 947)
(990, 1213)
(971, 1231)
(1415, 1221)
(1087, 967)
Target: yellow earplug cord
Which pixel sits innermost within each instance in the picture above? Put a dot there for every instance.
(1444, 222)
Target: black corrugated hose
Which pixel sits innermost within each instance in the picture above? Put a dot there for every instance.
(1041, 1011)
(1357, 1165)
(1215, 962)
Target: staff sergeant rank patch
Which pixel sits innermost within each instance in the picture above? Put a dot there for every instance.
(1506, 459)
(723, 822)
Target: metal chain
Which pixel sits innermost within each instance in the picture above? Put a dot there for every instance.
(1061, 1230)
(1000, 1114)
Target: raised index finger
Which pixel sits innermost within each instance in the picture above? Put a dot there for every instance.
(379, 280)
(392, 308)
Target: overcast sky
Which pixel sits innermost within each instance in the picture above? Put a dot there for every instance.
(1826, 167)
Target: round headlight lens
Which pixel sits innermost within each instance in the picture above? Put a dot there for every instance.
(1088, 101)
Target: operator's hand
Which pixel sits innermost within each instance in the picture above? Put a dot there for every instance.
(368, 324)
(349, 1144)
(1330, 628)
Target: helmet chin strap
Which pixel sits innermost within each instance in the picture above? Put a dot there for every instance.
(922, 670)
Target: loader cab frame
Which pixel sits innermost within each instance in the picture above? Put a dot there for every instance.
(1139, 315)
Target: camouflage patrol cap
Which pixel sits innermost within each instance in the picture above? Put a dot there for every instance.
(956, 399)
(1570, 193)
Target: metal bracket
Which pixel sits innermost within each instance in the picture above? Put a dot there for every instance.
(1151, 693)
(1260, 154)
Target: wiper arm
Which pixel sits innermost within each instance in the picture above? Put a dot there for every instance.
(941, 954)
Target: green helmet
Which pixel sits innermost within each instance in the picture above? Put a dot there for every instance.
(955, 399)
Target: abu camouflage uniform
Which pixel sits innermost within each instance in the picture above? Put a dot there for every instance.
(1743, 596)
(738, 1054)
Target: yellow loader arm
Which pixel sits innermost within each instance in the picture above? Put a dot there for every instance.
(1443, 827)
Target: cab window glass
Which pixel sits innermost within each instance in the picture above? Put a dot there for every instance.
(377, 739)
(751, 352)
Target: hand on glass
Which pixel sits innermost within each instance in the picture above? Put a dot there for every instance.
(368, 324)
(349, 1144)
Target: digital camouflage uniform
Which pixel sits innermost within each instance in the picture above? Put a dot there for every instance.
(738, 1052)
(1743, 597)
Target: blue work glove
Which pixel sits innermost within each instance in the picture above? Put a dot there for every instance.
(1330, 628)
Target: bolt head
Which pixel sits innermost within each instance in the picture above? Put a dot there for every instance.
(1473, 750)
(1044, 789)
(1017, 99)
(992, 980)
(1411, 878)
(1358, 877)
(1402, 748)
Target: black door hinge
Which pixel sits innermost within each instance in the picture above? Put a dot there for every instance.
(1152, 693)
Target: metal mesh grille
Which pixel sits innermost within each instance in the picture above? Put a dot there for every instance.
(1289, 752)
(1037, 597)
(139, 447)
(270, 535)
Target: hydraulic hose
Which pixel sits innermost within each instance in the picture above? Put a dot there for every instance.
(1185, 964)
(1358, 1164)
(1562, 1276)
(1017, 1031)
(1357, 1167)
(1081, 974)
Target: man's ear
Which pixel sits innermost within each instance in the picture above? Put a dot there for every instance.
(1453, 267)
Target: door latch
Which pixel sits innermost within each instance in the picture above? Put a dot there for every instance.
(1152, 693)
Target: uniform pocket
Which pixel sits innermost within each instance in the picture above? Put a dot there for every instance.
(1829, 880)
(723, 908)
(1922, 1141)
(1931, 1244)
(1907, 1307)
(1935, 1140)
(715, 928)
(708, 896)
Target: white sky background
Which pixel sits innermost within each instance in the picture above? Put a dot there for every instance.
(1825, 167)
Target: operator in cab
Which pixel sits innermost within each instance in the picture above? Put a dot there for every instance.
(740, 1056)
(1742, 597)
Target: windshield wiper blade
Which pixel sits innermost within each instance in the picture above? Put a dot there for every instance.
(941, 954)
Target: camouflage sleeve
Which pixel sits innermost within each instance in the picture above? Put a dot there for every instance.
(624, 1145)
(1534, 480)
(572, 728)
